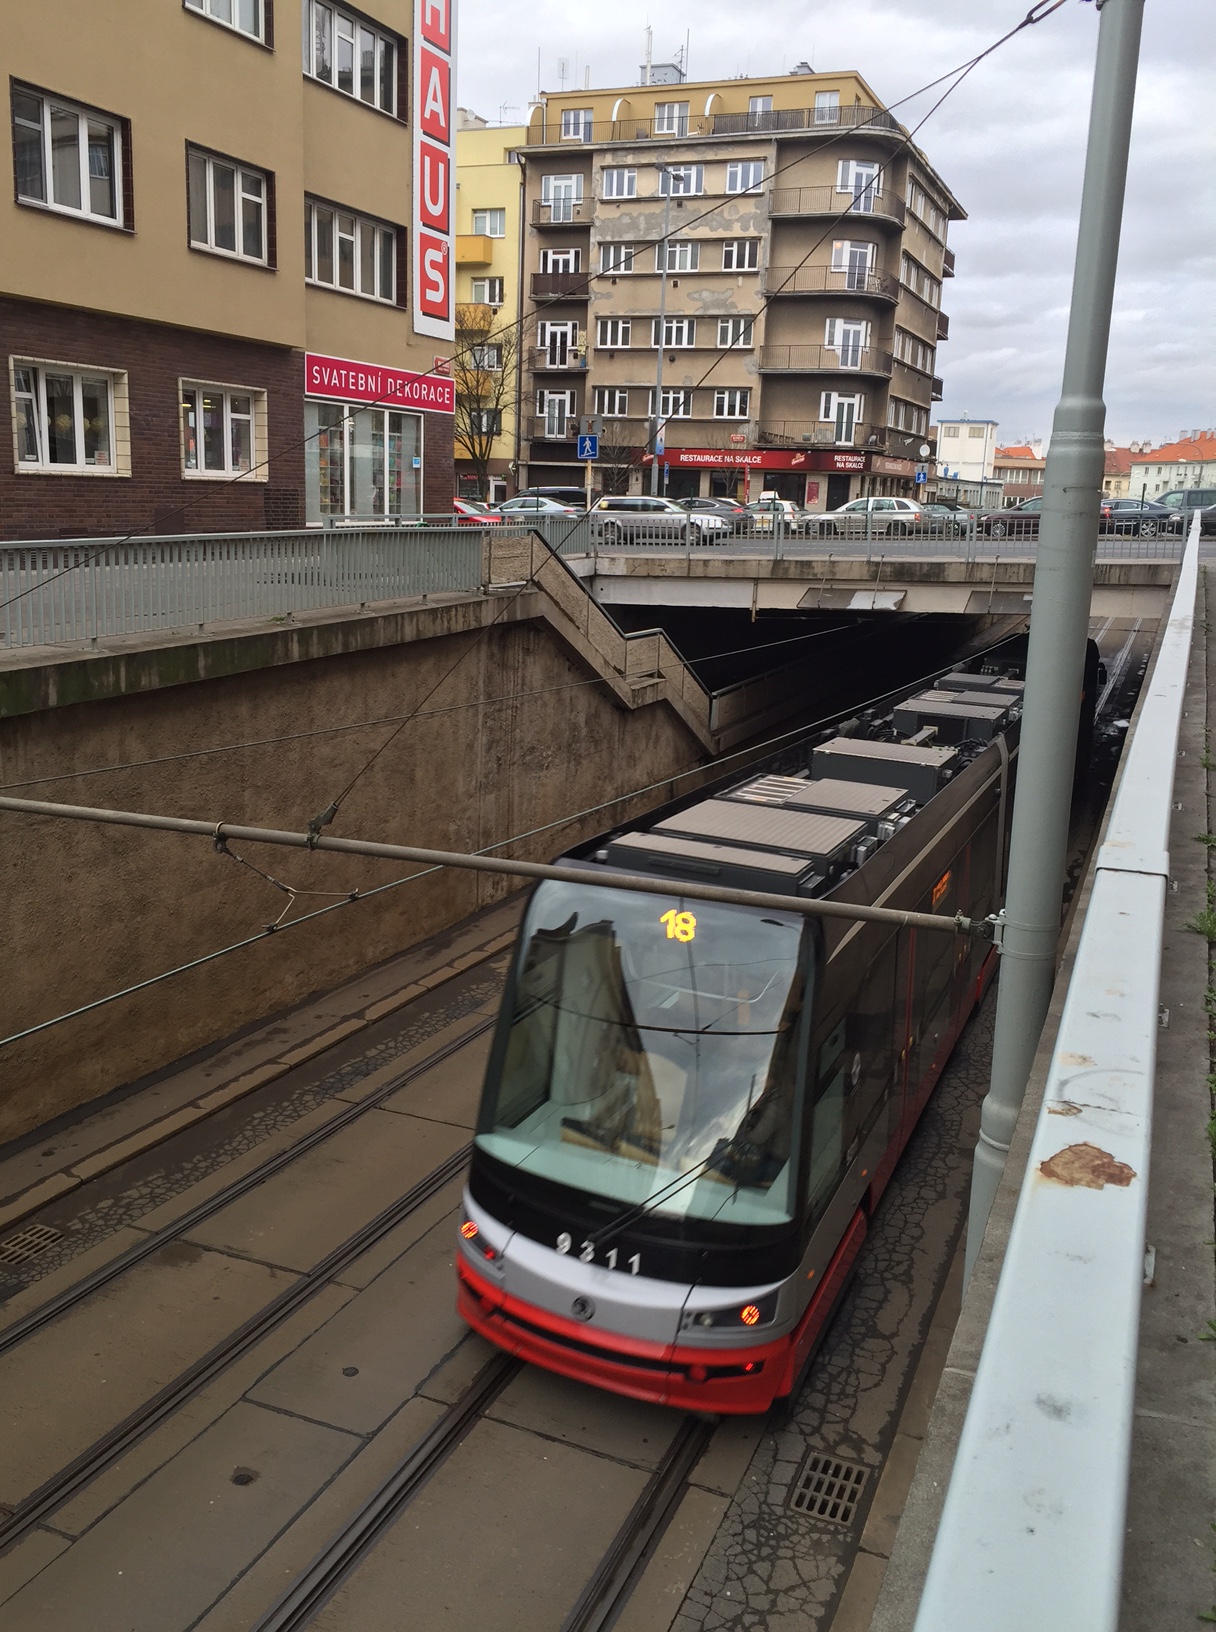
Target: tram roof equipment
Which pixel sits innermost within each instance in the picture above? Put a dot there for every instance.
(923, 771)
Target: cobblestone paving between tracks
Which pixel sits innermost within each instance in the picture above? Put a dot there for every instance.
(769, 1567)
(101, 1219)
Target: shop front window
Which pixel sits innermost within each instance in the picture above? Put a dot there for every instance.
(361, 464)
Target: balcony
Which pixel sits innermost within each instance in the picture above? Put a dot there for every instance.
(812, 433)
(822, 280)
(560, 285)
(943, 326)
(562, 212)
(939, 386)
(778, 121)
(474, 249)
(947, 263)
(826, 360)
(554, 427)
(882, 208)
(557, 360)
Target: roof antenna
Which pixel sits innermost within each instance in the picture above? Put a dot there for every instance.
(647, 72)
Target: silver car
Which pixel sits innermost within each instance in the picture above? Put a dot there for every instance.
(629, 518)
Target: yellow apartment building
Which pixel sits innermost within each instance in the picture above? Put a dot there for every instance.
(211, 314)
(489, 218)
(742, 278)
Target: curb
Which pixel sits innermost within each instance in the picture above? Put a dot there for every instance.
(24, 1202)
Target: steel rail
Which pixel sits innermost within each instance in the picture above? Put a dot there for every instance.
(107, 1450)
(630, 1550)
(1033, 1528)
(806, 906)
(321, 1579)
(45, 1313)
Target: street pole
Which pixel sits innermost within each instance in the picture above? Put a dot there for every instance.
(1059, 622)
(658, 376)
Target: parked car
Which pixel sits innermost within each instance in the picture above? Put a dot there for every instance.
(628, 518)
(946, 520)
(736, 516)
(1018, 521)
(575, 496)
(875, 517)
(535, 504)
(769, 507)
(1139, 518)
(475, 513)
(1186, 500)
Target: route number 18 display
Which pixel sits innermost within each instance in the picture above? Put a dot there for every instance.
(681, 926)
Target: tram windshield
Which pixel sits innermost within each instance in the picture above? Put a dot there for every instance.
(652, 1053)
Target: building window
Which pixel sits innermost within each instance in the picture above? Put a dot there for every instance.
(343, 51)
(66, 157)
(360, 463)
(731, 404)
(243, 15)
(561, 260)
(675, 403)
(678, 255)
(620, 183)
(863, 181)
(745, 176)
(930, 214)
(350, 252)
(855, 259)
(740, 254)
(976, 431)
(827, 107)
(64, 418)
(612, 333)
(843, 412)
(488, 359)
(559, 195)
(906, 416)
(616, 258)
(910, 349)
(848, 337)
(671, 118)
(681, 180)
(735, 331)
(949, 430)
(678, 332)
(556, 411)
(914, 277)
(222, 429)
(487, 291)
(490, 223)
(486, 421)
(226, 206)
(759, 112)
(576, 124)
(612, 402)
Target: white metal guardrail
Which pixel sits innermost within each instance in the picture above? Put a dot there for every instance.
(1033, 1527)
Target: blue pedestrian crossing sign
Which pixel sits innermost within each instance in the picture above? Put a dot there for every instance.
(588, 447)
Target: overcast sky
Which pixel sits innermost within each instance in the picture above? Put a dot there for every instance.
(1009, 142)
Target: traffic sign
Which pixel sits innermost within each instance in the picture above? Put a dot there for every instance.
(921, 476)
(588, 447)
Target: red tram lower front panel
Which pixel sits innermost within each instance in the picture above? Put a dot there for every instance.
(743, 1379)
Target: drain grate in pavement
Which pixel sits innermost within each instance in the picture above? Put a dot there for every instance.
(828, 1489)
(28, 1243)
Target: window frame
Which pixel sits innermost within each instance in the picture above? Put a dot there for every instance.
(484, 232)
(681, 323)
(385, 231)
(119, 141)
(240, 168)
(732, 247)
(827, 104)
(627, 170)
(743, 397)
(747, 325)
(118, 463)
(257, 471)
(690, 248)
(671, 118)
(619, 269)
(585, 125)
(385, 78)
(624, 327)
(668, 172)
(619, 396)
(736, 167)
(684, 392)
(478, 300)
(264, 34)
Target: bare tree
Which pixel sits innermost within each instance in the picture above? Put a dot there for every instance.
(618, 456)
(485, 366)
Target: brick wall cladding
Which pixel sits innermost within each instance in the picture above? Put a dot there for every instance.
(438, 464)
(155, 497)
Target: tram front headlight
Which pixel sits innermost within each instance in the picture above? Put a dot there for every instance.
(741, 1316)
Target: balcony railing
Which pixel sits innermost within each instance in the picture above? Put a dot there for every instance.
(562, 212)
(822, 280)
(827, 359)
(939, 386)
(811, 433)
(554, 427)
(947, 263)
(556, 359)
(827, 201)
(776, 121)
(943, 326)
(560, 285)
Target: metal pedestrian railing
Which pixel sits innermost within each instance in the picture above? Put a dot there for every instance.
(1032, 1532)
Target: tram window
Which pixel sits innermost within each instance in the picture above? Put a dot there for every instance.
(645, 1068)
(827, 1144)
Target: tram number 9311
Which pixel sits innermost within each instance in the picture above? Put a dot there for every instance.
(681, 926)
(586, 1253)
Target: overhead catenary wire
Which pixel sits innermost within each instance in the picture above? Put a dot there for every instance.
(1037, 13)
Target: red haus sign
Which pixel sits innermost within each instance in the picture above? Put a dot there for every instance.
(434, 301)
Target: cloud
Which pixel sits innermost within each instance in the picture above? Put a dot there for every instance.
(1010, 142)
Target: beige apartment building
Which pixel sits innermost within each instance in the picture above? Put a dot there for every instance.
(748, 271)
(209, 308)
